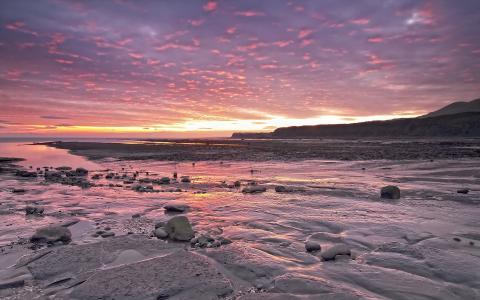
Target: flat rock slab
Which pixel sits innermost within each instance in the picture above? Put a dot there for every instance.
(126, 267)
(180, 275)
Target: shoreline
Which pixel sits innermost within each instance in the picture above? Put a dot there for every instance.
(275, 150)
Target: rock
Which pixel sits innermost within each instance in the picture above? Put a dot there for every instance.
(63, 168)
(340, 249)
(33, 210)
(107, 234)
(164, 180)
(283, 189)
(22, 173)
(463, 191)
(312, 246)
(237, 184)
(204, 239)
(51, 234)
(159, 224)
(134, 216)
(81, 172)
(96, 176)
(254, 189)
(185, 179)
(390, 192)
(224, 241)
(179, 228)
(161, 233)
(176, 207)
(18, 191)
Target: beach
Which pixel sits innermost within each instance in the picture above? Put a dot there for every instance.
(256, 222)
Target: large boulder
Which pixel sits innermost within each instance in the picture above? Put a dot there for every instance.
(179, 229)
(51, 234)
(390, 192)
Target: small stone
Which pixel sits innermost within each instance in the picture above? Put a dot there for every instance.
(108, 234)
(164, 180)
(179, 228)
(216, 244)
(237, 184)
(463, 191)
(159, 224)
(254, 189)
(185, 179)
(312, 246)
(390, 192)
(134, 216)
(160, 233)
(17, 191)
(331, 252)
(283, 189)
(456, 239)
(81, 172)
(34, 210)
(52, 234)
(176, 207)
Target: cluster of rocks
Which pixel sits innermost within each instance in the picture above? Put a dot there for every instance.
(179, 229)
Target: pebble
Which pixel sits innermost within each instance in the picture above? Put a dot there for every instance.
(254, 189)
(340, 249)
(34, 210)
(390, 192)
(312, 246)
(161, 233)
(463, 191)
(107, 234)
(176, 207)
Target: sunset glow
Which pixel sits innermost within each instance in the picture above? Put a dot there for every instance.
(210, 68)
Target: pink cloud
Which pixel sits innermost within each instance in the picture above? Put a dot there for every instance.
(232, 30)
(282, 44)
(210, 6)
(63, 61)
(305, 43)
(196, 23)
(304, 33)
(20, 27)
(249, 13)
(360, 21)
(135, 55)
(375, 39)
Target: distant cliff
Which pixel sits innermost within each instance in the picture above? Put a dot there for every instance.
(465, 124)
(456, 108)
(456, 125)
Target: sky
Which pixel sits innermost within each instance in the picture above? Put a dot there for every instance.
(210, 68)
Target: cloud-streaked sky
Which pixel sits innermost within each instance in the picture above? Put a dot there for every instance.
(165, 67)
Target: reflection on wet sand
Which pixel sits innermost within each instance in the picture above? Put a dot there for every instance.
(428, 238)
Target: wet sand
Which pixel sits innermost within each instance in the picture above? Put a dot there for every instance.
(283, 150)
(428, 240)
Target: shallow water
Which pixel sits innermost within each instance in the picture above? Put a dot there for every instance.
(337, 202)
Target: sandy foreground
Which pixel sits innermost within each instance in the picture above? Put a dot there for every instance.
(268, 220)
